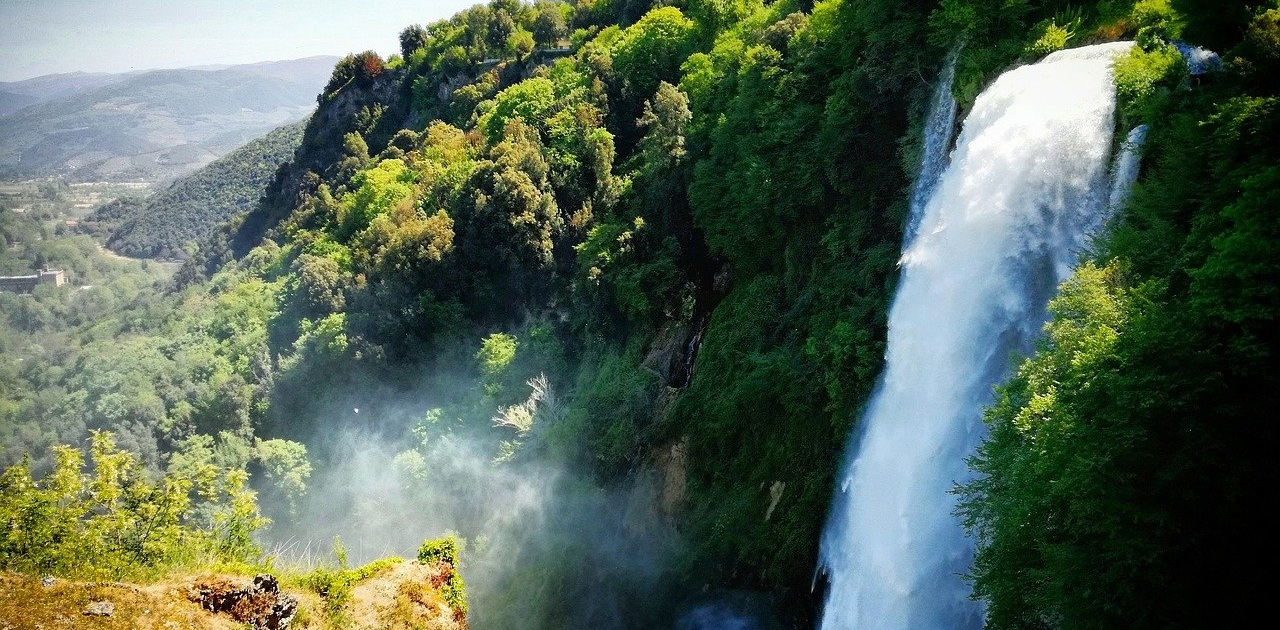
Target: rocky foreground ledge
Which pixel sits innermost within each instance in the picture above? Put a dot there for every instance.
(398, 596)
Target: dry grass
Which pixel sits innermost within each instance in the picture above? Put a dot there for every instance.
(403, 596)
(1114, 31)
(26, 605)
(406, 597)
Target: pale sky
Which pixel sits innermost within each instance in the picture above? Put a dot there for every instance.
(40, 37)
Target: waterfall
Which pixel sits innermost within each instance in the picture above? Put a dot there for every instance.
(1126, 168)
(939, 126)
(1005, 222)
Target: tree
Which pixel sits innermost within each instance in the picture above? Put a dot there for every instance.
(664, 120)
(530, 100)
(287, 468)
(369, 66)
(551, 24)
(520, 44)
(412, 38)
(652, 50)
(376, 191)
(320, 285)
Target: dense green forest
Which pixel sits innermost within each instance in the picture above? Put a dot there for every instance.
(165, 224)
(1129, 458)
(650, 246)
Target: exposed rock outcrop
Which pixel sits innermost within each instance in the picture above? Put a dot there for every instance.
(261, 605)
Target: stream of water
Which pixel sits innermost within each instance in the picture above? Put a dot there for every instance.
(1005, 223)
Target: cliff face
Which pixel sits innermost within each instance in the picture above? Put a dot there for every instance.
(320, 152)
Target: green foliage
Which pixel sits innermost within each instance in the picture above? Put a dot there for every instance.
(1234, 282)
(335, 585)
(1052, 37)
(551, 24)
(444, 549)
(530, 101)
(665, 117)
(1124, 469)
(1157, 23)
(720, 183)
(652, 50)
(165, 224)
(376, 191)
(611, 416)
(1217, 24)
(360, 69)
(286, 467)
(628, 271)
(1143, 77)
(1033, 470)
(115, 522)
(994, 34)
(1258, 55)
(447, 550)
(412, 38)
(496, 353)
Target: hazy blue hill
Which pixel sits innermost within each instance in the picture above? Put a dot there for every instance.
(160, 226)
(11, 102)
(15, 95)
(157, 125)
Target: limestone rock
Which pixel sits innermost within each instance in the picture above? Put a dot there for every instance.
(100, 609)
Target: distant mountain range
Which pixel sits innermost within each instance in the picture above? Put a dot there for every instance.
(16, 95)
(150, 126)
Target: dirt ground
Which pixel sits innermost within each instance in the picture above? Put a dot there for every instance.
(26, 604)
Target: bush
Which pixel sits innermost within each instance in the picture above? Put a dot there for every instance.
(1051, 37)
(1144, 77)
(335, 584)
(446, 550)
(116, 522)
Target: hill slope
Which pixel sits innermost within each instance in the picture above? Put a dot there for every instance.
(15, 95)
(157, 125)
(194, 206)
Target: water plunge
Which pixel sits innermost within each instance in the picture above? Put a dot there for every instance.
(1004, 224)
(1125, 171)
(939, 126)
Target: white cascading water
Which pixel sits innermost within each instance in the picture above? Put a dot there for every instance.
(1126, 168)
(939, 126)
(1004, 226)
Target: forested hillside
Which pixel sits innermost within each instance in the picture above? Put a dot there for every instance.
(603, 285)
(164, 224)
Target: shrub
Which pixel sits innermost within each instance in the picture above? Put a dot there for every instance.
(446, 550)
(116, 522)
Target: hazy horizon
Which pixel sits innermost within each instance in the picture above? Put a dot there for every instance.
(62, 36)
